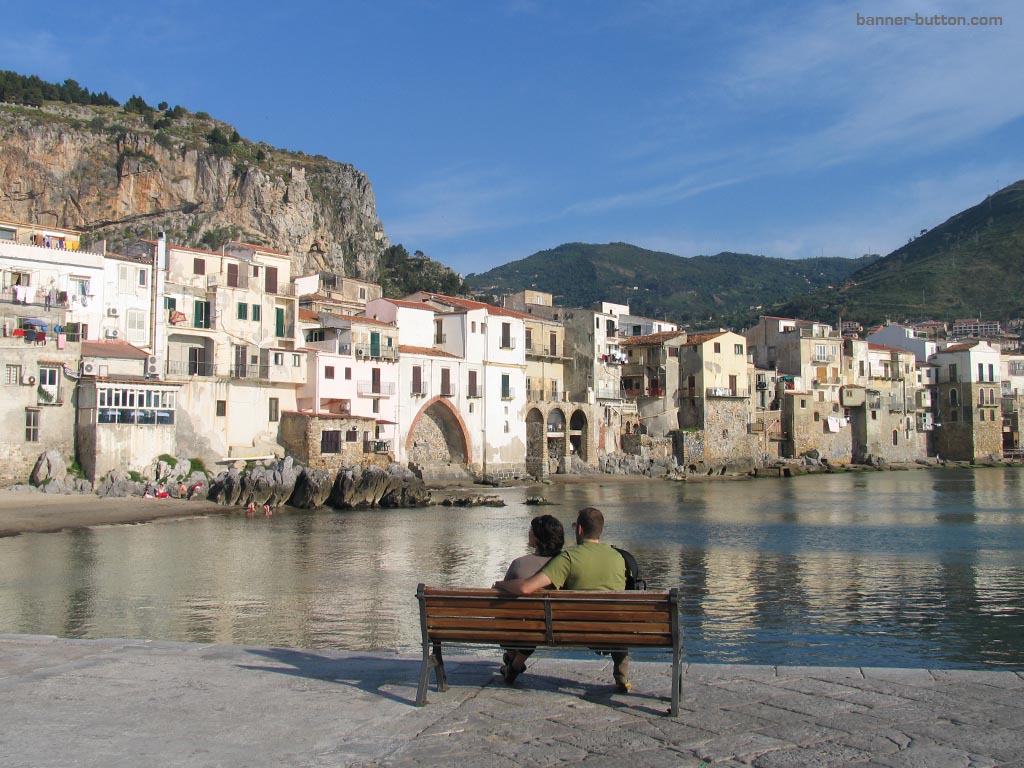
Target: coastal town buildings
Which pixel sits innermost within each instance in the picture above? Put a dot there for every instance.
(117, 358)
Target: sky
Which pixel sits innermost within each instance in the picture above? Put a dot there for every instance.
(493, 130)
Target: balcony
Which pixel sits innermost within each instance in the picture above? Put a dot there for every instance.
(474, 391)
(418, 390)
(224, 280)
(367, 351)
(648, 392)
(536, 395)
(376, 446)
(187, 368)
(726, 392)
(249, 371)
(285, 331)
(508, 394)
(448, 391)
(821, 358)
(47, 394)
(508, 343)
(440, 338)
(375, 389)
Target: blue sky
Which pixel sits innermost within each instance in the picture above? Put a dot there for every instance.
(492, 130)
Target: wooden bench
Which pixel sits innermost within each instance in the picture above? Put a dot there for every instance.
(547, 619)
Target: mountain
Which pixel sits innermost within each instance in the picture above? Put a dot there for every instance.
(972, 265)
(725, 289)
(120, 172)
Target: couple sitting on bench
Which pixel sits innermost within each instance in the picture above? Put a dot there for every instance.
(590, 565)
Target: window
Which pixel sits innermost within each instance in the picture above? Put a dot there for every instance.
(232, 275)
(803, 403)
(718, 347)
(417, 380)
(352, 435)
(243, 311)
(170, 303)
(446, 382)
(296, 361)
(438, 332)
(991, 397)
(952, 371)
(991, 372)
(199, 266)
(673, 351)
(506, 336)
(472, 327)
(256, 312)
(895, 437)
(981, 397)
(471, 387)
(860, 365)
(328, 371)
(375, 405)
(954, 398)
(506, 387)
(136, 325)
(13, 374)
(142, 278)
(817, 416)
(362, 294)
(275, 409)
(222, 407)
(737, 348)
(529, 338)
(279, 358)
(981, 371)
(348, 374)
(31, 425)
(330, 441)
(201, 314)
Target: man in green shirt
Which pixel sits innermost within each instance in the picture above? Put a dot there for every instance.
(590, 565)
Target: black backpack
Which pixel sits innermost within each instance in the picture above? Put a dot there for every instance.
(633, 578)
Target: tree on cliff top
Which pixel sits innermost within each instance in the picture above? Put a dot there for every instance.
(400, 274)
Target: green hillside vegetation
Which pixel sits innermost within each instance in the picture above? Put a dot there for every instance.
(32, 91)
(972, 265)
(727, 289)
(401, 274)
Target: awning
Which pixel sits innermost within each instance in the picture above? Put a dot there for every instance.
(385, 421)
(36, 323)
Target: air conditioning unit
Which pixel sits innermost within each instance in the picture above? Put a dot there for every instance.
(152, 366)
(360, 352)
(89, 368)
(113, 311)
(28, 380)
(111, 333)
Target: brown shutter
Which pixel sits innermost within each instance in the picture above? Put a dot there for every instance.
(271, 280)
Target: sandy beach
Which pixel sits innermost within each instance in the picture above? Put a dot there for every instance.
(29, 512)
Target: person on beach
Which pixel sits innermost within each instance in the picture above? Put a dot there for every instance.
(590, 565)
(546, 538)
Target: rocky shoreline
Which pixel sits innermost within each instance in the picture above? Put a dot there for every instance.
(55, 502)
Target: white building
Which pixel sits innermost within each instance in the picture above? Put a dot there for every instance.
(902, 337)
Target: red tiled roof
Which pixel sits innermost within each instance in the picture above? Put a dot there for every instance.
(311, 316)
(700, 338)
(407, 349)
(961, 347)
(652, 338)
(308, 315)
(119, 349)
(454, 301)
(410, 304)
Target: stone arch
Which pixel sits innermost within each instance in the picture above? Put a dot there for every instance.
(536, 445)
(556, 435)
(438, 435)
(579, 434)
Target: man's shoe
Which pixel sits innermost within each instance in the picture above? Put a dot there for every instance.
(510, 673)
(623, 686)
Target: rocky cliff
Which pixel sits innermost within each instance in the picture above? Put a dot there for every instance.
(118, 175)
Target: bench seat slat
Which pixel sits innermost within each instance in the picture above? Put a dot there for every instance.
(483, 623)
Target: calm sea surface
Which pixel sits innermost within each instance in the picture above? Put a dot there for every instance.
(905, 569)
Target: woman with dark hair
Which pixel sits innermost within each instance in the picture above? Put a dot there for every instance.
(547, 537)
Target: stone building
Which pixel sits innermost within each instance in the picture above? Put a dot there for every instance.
(327, 441)
(968, 402)
(125, 417)
(714, 398)
(808, 357)
(651, 377)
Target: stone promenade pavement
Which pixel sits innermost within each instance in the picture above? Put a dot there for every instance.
(114, 703)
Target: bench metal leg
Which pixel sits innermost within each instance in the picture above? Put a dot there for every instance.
(677, 680)
(430, 661)
(441, 674)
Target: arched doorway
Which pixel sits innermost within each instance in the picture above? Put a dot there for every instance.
(556, 434)
(437, 436)
(579, 435)
(536, 453)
